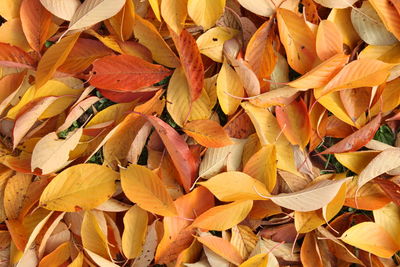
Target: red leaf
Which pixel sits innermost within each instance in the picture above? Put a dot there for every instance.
(357, 139)
(14, 57)
(179, 151)
(126, 73)
(390, 188)
(191, 61)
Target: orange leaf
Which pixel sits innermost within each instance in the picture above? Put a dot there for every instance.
(359, 73)
(329, 40)
(178, 150)
(14, 57)
(177, 236)
(321, 74)
(54, 58)
(222, 247)
(145, 188)
(191, 61)
(357, 139)
(295, 122)
(36, 21)
(126, 73)
(298, 40)
(224, 217)
(207, 133)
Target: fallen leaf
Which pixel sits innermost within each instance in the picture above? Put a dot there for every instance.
(222, 247)
(135, 223)
(145, 188)
(207, 133)
(83, 186)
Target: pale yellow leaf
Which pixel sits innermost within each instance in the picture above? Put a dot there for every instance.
(52, 153)
(145, 188)
(231, 186)
(63, 9)
(93, 237)
(83, 186)
(336, 3)
(93, 11)
(387, 160)
(389, 218)
(135, 229)
(311, 198)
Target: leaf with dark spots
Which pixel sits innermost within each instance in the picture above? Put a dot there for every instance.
(191, 62)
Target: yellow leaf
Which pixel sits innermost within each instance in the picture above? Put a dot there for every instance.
(211, 43)
(341, 17)
(53, 58)
(262, 166)
(135, 229)
(124, 21)
(50, 88)
(298, 40)
(260, 7)
(243, 239)
(389, 99)
(269, 132)
(145, 188)
(174, 13)
(9, 9)
(206, 13)
(329, 211)
(356, 161)
(51, 153)
(222, 247)
(148, 35)
(83, 186)
(231, 186)
(11, 33)
(224, 217)
(207, 133)
(359, 73)
(178, 100)
(93, 237)
(155, 5)
(389, 218)
(78, 261)
(371, 237)
(228, 85)
(260, 260)
(388, 14)
(91, 12)
(311, 198)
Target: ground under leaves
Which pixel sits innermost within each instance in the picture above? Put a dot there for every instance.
(202, 133)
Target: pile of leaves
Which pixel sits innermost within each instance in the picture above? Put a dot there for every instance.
(199, 133)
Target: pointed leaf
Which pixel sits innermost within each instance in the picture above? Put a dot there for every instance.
(174, 13)
(94, 11)
(207, 133)
(14, 57)
(311, 198)
(179, 151)
(357, 139)
(372, 238)
(206, 13)
(231, 186)
(224, 217)
(126, 73)
(135, 229)
(222, 247)
(62, 9)
(329, 40)
(191, 61)
(83, 186)
(54, 58)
